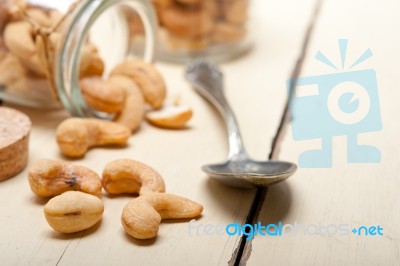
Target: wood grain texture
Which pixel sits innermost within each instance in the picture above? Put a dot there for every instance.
(252, 88)
(354, 194)
(256, 86)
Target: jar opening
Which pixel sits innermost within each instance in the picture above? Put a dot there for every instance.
(85, 18)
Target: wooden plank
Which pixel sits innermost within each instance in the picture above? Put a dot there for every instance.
(354, 194)
(252, 86)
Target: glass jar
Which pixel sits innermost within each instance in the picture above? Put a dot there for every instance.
(215, 29)
(46, 47)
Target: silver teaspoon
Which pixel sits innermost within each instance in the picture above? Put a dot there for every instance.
(239, 169)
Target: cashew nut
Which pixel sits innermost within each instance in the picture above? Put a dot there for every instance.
(187, 22)
(235, 11)
(50, 178)
(18, 38)
(102, 95)
(4, 16)
(35, 65)
(11, 70)
(148, 79)
(16, 8)
(91, 62)
(3, 50)
(163, 3)
(76, 135)
(39, 16)
(73, 211)
(177, 43)
(134, 108)
(54, 44)
(212, 8)
(129, 176)
(3, 53)
(142, 216)
(55, 17)
(170, 116)
(189, 2)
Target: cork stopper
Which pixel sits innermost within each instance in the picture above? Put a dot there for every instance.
(14, 139)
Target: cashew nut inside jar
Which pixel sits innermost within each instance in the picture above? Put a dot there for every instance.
(48, 47)
(215, 29)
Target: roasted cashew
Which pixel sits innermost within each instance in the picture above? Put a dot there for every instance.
(55, 17)
(39, 16)
(50, 178)
(170, 116)
(235, 11)
(129, 176)
(76, 135)
(181, 21)
(11, 70)
(142, 216)
(91, 63)
(148, 79)
(176, 42)
(132, 114)
(189, 2)
(4, 16)
(3, 50)
(18, 38)
(101, 95)
(162, 3)
(73, 211)
(35, 65)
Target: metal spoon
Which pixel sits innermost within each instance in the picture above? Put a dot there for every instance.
(239, 169)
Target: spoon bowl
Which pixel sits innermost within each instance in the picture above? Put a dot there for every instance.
(239, 170)
(249, 173)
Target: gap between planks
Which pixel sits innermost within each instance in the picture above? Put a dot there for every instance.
(243, 251)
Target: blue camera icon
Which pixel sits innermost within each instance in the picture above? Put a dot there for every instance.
(339, 104)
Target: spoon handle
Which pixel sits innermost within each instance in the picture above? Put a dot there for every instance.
(207, 80)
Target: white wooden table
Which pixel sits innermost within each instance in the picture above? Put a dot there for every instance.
(356, 194)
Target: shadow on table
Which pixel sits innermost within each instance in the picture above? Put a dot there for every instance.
(276, 205)
(92, 152)
(223, 195)
(59, 236)
(149, 242)
(40, 201)
(139, 242)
